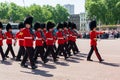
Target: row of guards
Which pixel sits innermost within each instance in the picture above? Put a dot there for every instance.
(45, 41)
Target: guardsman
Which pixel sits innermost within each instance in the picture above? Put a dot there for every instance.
(50, 42)
(28, 43)
(43, 25)
(93, 41)
(66, 33)
(74, 37)
(61, 41)
(1, 42)
(9, 36)
(21, 41)
(70, 38)
(39, 48)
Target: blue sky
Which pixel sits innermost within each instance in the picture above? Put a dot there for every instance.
(79, 4)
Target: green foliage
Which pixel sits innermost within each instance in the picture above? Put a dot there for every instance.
(105, 10)
(15, 13)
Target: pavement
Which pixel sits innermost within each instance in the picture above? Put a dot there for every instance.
(75, 68)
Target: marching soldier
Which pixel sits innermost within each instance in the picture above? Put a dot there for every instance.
(61, 41)
(71, 39)
(50, 42)
(1, 42)
(21, 42)
(28, 43)
(43, 25)
(93, 41)
(74, 37)
(39, 49)
(9, 36)
(66, 33)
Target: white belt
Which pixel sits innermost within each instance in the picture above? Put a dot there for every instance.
(28, 38)
(39, 39)
(21, 39)
(73, 36)
(60, 38)
(50, 38)
(9, 38)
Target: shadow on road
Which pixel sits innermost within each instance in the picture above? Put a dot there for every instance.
(62, 63)
(39, 72)
(6, 62)
(49, 66)
(111, 64)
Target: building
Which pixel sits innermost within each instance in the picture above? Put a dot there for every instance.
(76, 19)
(84, 24)
(70, 8)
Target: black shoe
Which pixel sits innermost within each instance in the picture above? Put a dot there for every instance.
(7, 56)
(101, 60)
(55, 60)
(34, 67)
(4, 59)
(46, 60)
(24, 65)
(18, 59)
(57, 57)
(89, 60)
(36, 61)
(66, 58)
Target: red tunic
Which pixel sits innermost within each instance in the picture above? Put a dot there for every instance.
(93, 35)
(66, 35)
(49, 38)
(73, 36)
(28, 37)
(1, 39)
(70, 35)
(60, 37)
(39, 39)
(20, 37)
(9, 37)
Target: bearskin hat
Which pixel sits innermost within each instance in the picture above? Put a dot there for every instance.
(20, 25)
(60, 25)
(37, 25)
(92, 25)
(28, 20)
(50, 25)
(8, 26)
(65, 24)
(1, 26)
(73, 26)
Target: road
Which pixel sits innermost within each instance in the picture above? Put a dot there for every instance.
(75, 68)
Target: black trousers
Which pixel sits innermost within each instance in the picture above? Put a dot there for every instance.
(50, 50)
(29, 53)
(10, 48)
(67, 48)
(21, 52)
(2, 53)
(72, 45)
(94, 48)
(61, 49)
(39, 50)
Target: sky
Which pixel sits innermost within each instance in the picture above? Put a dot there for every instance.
(79, 4)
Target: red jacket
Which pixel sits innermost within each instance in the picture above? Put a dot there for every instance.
(73, 36)
(66, 35)
(39, 39)
(93, 35)
(20, 37)
(9, 37)
(1, 39)
(60, 37)
(28, 37)
(49, 38)
(70, 35)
